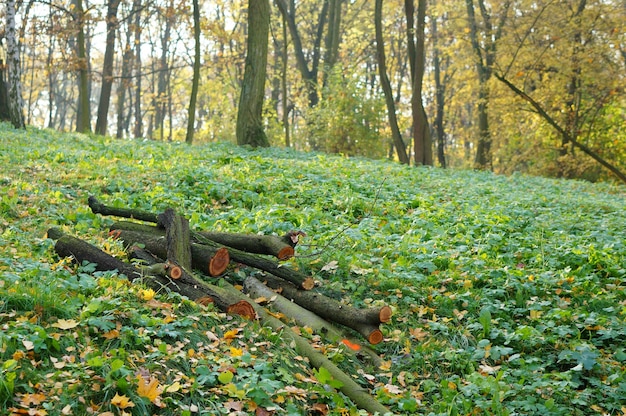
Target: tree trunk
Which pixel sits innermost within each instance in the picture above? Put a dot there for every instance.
(422, 141)
(138, 128)
(333, 38)
(249, 116)
(484, 67)
(124, 85)
(309, 76)
(14, 90)
(191, 117)
(83, 110)
(439, 96)
(398, 143)
(107, 68)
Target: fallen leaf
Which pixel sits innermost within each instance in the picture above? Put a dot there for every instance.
(149, 388)
(418, 333)
(28, 345)
(65, 324)
(121, 402)
(331, 267)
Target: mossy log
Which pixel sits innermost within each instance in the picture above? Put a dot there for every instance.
(364, 321)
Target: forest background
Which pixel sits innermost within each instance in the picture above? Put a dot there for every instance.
(509, 85)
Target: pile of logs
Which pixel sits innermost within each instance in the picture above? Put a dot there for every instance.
(167, 255)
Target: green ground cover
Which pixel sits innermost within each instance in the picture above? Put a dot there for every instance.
(508, 292)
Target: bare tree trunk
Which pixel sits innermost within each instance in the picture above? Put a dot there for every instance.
(14, 90)
(333, 38)
(386, 86)
(138, 130)
(107, 68)
(249, 117)
(83, 111)
(422, 142)
(439, 96)
(196, 73)
(283, 83)
(485, 58)
(123, 85)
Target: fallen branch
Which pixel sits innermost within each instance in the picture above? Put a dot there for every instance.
(148, 234)
(364, 321)
(281, 247)
(303, 317)
(186, 284)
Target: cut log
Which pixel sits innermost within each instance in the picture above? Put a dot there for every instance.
(210, 260)
(279, 247)
(68, 246)
(365, 321)
(303, 317)
(187, 284)
(98, 208)
(151, 234)
(177, 238)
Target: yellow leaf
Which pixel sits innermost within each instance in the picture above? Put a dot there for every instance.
(146, 294)
(418, 333)
(172, 388)
(65, 324)
(148, 389)
(231, 334)
(236, 352)
(121, 402)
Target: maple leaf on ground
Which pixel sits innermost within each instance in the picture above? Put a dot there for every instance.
(418, 333)
(121, 402)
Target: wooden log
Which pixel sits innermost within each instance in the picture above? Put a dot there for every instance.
(177, 238)
(349, 387)
(210, 260)
(364, 321)
(187, 284)
(303, 317)
(98, 208)
(279, 247)
(299, 279)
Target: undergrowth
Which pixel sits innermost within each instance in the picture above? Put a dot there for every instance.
(508, 292)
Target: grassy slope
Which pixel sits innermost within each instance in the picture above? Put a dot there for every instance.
(508, 291)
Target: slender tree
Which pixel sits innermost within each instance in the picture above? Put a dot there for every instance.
(396, 136)
(249, 116)
(83, 111)
(196, 74)
(422, 142)
(107, 68)
(484, 46)
(15, 101)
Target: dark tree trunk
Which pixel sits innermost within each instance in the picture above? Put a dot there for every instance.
(422, 142)
(107, 68)
(191, 120)
(138, 129)
(439, 97)
(249, 116)
(83, 110)
(398, 143)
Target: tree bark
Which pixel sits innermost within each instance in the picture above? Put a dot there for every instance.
(250, 112)
(396, 136)
(14, 90)
(439, 95)
(191, 113)
(177, 238)
(107, 68)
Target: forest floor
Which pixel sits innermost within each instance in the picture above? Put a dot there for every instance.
(508, 293)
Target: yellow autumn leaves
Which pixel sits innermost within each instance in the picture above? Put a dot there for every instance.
(149, 388)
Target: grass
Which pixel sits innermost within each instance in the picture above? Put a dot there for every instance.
(508, 292)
